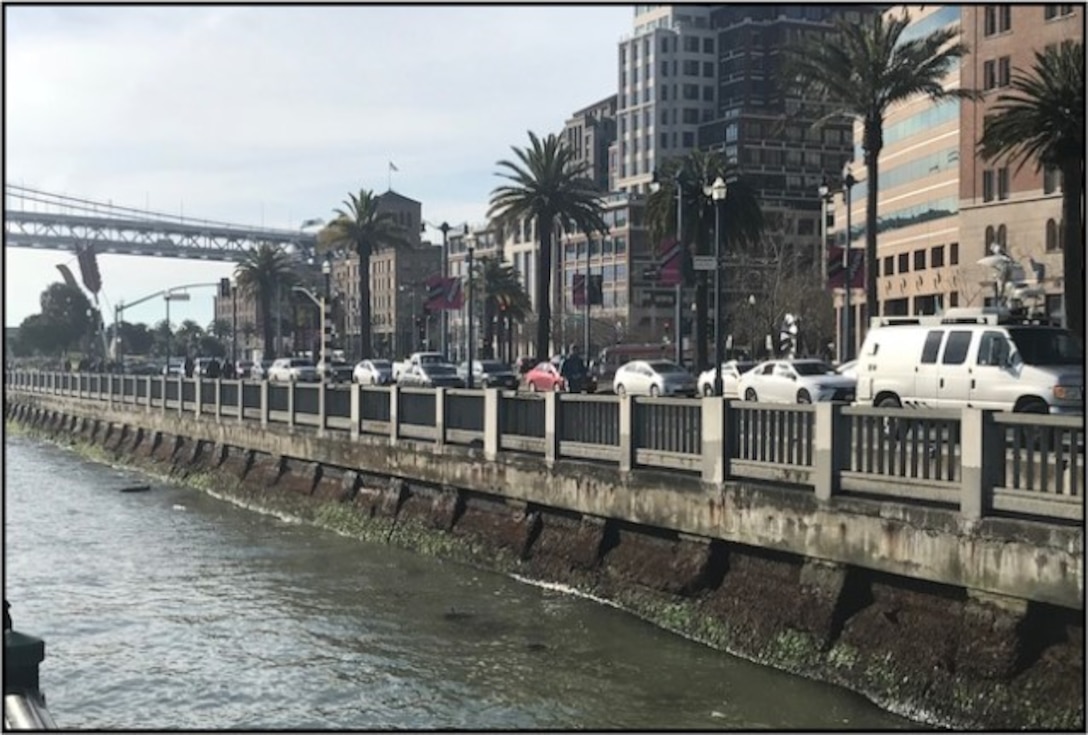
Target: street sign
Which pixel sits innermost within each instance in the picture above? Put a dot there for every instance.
(650, 273)
(702, 262)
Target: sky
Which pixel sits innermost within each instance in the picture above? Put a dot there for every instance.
(270, 115)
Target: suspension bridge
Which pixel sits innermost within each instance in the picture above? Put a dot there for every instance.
(37, 219)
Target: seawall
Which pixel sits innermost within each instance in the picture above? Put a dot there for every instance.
(932, 651)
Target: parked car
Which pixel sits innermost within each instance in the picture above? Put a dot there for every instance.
(243, 369)
(795, 381)
(731, 372)
(174, 367)
(579, 379)
(489, 374)
(545, 376)
(653, 378)
(431, 375)
(200, 367)
(292, 370)
(259, 370)
(849, 369)
(373, 372)
(335, 371)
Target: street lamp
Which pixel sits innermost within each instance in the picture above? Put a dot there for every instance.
(848, 182)
(326, 302)
(444, 228)
(234, 321)
(717, 192)
(678, 313)
(469, 347)
(825, 199)
(167, 298)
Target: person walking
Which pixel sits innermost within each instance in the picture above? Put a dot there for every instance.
(212, 371)
(187, 366)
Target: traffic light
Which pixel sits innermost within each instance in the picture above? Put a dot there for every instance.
(224, 288)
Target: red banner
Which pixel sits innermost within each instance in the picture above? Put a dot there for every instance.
(670, 255)
(444, 294)
(836, 272)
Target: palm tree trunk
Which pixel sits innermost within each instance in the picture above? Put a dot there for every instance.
(1073, 244)
(364, 301)
(266, 324)
(489, 328)
(543, 287)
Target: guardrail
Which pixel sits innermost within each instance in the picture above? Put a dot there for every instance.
(979, 462)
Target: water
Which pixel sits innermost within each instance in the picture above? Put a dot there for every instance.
(172, 609)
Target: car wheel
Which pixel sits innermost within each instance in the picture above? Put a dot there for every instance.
(654, 391)
(803, 396)
(532, 387)
(620, 390)
(750, 395)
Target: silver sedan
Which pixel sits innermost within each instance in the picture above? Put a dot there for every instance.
(653, 378)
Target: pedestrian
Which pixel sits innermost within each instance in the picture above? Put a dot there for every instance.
(573, 370)
(228, 370)
(212, 369)
(187, 366)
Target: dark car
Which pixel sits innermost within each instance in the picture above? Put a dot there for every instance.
(335, 371)
(576, 373)
(489, 374)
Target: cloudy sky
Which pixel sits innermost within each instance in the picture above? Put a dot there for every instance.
(270, 115)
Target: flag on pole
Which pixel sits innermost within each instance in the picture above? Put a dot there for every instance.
(392, 167)
(671, 259)
(835, 271)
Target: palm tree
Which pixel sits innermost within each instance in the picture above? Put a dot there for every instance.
(860, 72)
(189, 334)
(1042, 119)
(741, 219)
(361, 229)
(502, 296)
(264, 275)
(548, 185)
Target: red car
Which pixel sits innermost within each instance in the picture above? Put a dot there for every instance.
(545, 376)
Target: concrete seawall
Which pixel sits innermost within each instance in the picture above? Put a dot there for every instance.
(757, 571)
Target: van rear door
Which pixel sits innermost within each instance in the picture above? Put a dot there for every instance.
(926, 370)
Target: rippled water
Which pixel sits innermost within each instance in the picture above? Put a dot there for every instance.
(172, 609)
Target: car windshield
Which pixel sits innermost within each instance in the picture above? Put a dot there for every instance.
(437, 369)
(493, 366)
(743, 367)
(1047, 346)
(430, 358)
(301, 363)
(664, 367)
(381, 364)
(813, 368)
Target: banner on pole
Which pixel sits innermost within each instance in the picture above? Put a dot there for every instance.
(836, 276)
(444, 294)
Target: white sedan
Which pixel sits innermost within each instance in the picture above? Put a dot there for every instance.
(292, 370)
(373, 372)
(653, 378)
(731, 372)
(795, 381)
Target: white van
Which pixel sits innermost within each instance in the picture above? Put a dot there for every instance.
(982, 358)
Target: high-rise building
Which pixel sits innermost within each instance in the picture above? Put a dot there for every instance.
(588, 134)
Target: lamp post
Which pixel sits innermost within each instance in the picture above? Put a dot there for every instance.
(717, 192)
(470, 295)
(444, 334)
(167, 298)
(234, 321)
(678, 313)
(326, 302)
(848, 182)
(825, 199)
(585, 325)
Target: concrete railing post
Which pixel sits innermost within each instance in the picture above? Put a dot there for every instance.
(831, 447)
(628, 445)
(218, 401)
(198, 398)
(264, 404)
(147, 393)
(290, 404)
(552, 433)
(181, 395)
(440, 416)
(394, 413)
(241, 400)
(492, 405)
(981, 460)
(321, 397)
(356, 409)
(109, 391)
(715, 430)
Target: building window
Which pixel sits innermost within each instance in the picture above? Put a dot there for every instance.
(989, 239)
(988, 185)
(1003, 183)
(1002, 236)
(889, 265)
(1053, 236)
(1050, 12)
(920, 260)
(1051, 179)
(991, 20)
(936, 256)
(988, 75)
(904, 262)
(954, 299)
(1004, 71)
(954, 254)
(1004, 18)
